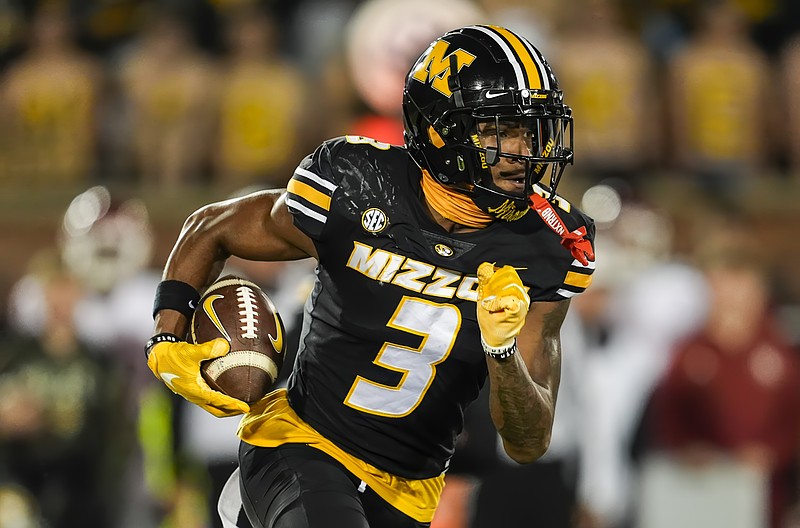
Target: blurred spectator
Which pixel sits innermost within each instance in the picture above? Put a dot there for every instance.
(17, 508)
(341, 103)
(170, 88)
(608, 76)
(539, 21)
(383, 37)
(314, 29)
(662, 23)
(61, 433)
(263, 112)
(48, 105)
(717, 88)
(731, 391)
(778, 25)
(645, 300)
(11, 30)
(665, 23)
(106, 243)
(107, 24)
(790, 83)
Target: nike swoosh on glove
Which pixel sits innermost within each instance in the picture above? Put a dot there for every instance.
(502, 304)
(178, 366)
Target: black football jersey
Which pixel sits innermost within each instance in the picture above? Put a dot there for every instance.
(390, 354)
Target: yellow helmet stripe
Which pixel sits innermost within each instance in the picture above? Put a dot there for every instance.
(515, 63)
(524, 56)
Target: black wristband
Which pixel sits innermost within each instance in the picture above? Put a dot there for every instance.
(176, 295)
(160, 338)
(499, 352)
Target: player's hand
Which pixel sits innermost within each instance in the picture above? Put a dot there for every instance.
(502, 304)
(178, 366)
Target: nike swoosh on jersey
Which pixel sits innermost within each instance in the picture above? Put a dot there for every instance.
(208, 308)
(492, 95)
(168, 377)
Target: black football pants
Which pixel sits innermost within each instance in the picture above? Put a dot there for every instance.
(297, 486)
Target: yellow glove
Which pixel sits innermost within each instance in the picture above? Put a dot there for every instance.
(502, 306)
(178, 365)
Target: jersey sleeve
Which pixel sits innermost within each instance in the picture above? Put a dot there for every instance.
(309, 193)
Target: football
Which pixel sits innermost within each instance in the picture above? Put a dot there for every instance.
(239, 311)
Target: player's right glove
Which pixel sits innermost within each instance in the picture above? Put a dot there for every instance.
(502, 307)
(177, 364)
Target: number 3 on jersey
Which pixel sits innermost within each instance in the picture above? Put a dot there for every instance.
(438, 325)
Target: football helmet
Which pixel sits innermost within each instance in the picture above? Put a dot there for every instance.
(103, 240)
(483, 96)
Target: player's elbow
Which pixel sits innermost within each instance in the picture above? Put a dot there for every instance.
(199, 221)
(528, 456)
(529, 452)
(207, 224)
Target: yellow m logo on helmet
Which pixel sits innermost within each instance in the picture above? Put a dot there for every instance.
(435, 67)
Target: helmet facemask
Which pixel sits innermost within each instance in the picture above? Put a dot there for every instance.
(531, 144)
(526, 144)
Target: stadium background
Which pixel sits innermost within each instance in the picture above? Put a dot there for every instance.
(120, 117)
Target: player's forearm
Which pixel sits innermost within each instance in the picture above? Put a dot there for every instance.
(524, 387)
(196, 259)
(522, 409)
(198, 255)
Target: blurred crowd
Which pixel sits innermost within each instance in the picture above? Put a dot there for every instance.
(680, 393)
(232, 92)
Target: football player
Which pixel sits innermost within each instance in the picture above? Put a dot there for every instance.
(440, 263)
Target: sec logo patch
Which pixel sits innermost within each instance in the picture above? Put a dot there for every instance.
(374, 220)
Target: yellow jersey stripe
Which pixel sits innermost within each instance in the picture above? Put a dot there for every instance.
(272, 422)
(305, 191)
(579, 280)
(523, 55)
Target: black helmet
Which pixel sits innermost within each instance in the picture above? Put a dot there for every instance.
(473, 83)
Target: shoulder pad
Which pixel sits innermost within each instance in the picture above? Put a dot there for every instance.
(347, 163)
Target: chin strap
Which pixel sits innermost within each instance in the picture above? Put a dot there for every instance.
(574, 241)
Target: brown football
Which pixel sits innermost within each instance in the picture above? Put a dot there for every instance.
(238, 310)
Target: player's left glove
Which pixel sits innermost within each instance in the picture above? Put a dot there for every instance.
(177, 364)
(503, 305)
